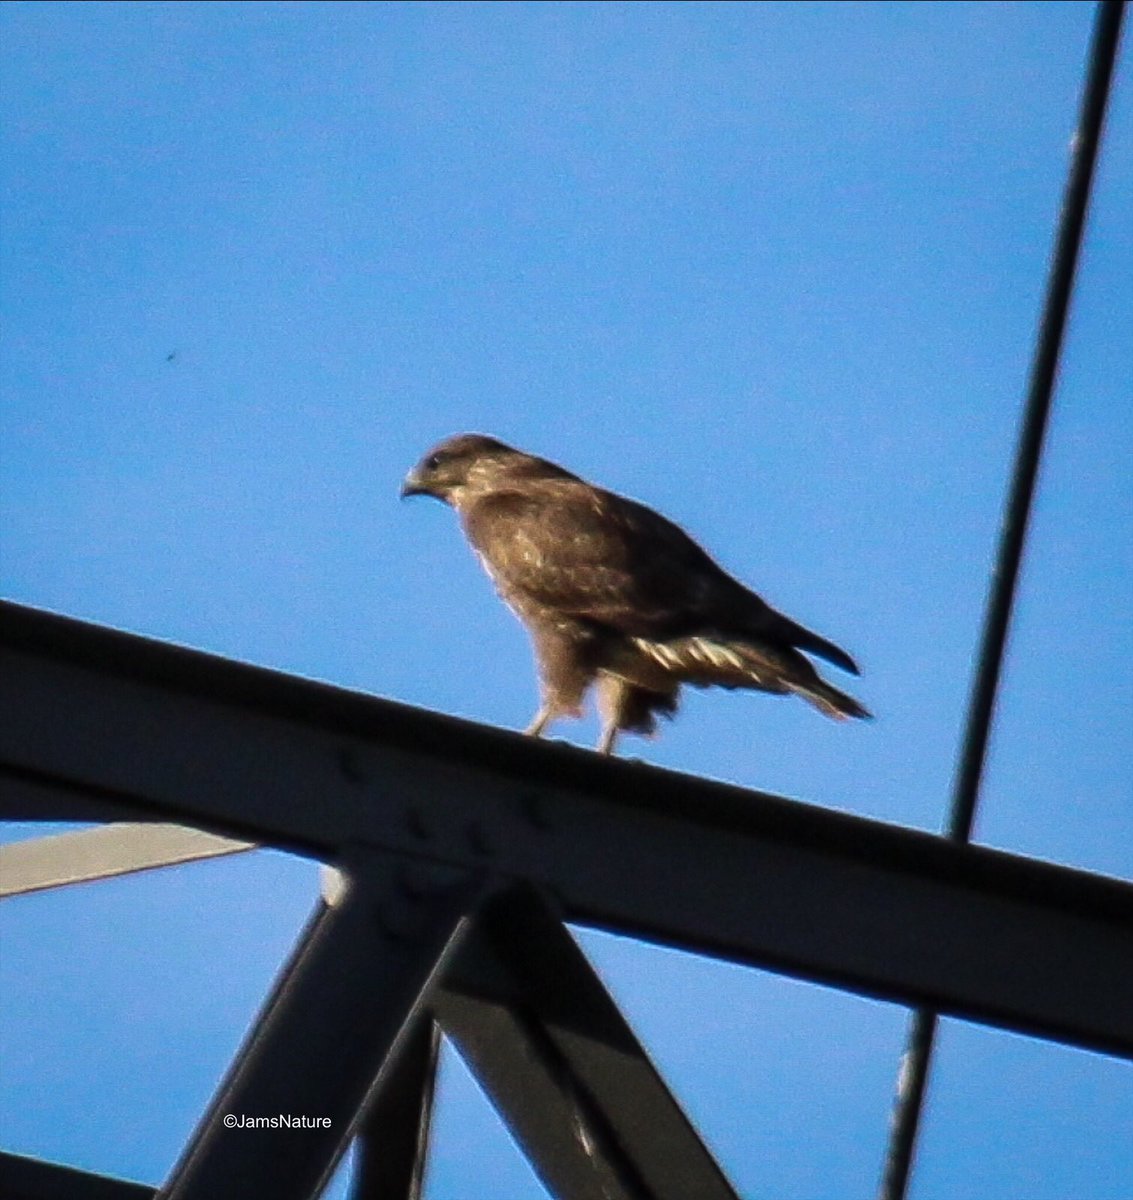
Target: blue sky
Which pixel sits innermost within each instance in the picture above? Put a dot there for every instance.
(774, 269)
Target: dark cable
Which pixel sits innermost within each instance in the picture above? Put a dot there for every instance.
(1044, 369)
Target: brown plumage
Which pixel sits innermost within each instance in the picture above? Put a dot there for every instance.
(615, 595)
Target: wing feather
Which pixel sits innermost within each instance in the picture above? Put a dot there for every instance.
(594, 556)
(566, 548)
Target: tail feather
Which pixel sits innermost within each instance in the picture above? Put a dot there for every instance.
(829, 700)
(711, 659)
(804, 639)
(797, 674)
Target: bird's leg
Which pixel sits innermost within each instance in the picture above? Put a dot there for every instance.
(609, 739)
(612, 694)
(539, 722)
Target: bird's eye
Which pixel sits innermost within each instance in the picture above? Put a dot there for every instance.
(433, 462)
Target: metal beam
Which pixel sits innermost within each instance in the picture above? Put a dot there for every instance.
(27, 798)
(91, 854)
(392, 1149)
(178, 735)
(25, 1178)
(539, 1030)
(329, 1036)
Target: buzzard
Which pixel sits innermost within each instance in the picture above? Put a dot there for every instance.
(615, 595)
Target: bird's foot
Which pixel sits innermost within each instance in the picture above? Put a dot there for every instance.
(539, 723)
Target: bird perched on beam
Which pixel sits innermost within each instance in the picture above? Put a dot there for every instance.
(615, 595)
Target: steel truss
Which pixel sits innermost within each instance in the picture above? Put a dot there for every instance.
(456, 854)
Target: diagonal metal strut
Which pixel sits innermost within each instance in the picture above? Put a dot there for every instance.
(539, 1030)
(329, 1035)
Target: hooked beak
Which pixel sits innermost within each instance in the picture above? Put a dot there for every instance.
(413, 485)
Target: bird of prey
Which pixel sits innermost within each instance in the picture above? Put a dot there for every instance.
(615, 595)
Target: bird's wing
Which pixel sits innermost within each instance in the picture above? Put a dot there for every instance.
(594, 556)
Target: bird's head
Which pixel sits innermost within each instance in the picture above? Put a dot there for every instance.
(470, 464)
